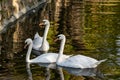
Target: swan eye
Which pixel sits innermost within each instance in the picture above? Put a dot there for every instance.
(25, 42)
(58, 37)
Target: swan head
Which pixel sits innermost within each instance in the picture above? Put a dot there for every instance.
(45, 22)
(61, 37)
(28, 42)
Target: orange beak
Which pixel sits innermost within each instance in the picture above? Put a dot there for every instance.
(25, 46)
(56, 40)
(42, 25)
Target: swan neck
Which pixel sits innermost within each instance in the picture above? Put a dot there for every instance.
(29, 52)
(62, 46)
(45, 33)
(61, 50)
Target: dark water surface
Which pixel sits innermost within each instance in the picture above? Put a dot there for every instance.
(92, 28)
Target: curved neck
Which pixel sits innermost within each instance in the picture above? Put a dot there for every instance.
(45, 33)
(62, 44)
(29, 52)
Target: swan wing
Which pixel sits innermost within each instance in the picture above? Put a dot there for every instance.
(78, 61)
(37, 41)
(47, 58)
(72, 62)
(52, 57)
(36, 35)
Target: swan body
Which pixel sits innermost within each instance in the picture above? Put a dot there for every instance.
(37, 43)
(40, 43)
(47, 58)
(78, 61)
(44, 58)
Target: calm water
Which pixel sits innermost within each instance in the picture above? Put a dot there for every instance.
(91, 28)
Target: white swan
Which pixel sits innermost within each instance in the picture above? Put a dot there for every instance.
(40, 43)
(37, 41)
(44, 58)
(78, 61)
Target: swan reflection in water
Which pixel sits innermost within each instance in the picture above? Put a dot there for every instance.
(29, 71)
(90, 72)
(48, 67)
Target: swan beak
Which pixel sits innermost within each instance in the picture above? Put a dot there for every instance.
(56, 40)
(25, 46)
(41, 24)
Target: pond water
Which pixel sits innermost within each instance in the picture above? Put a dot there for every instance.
(91, 28)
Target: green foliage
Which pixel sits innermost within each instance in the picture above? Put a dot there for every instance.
(52, 35)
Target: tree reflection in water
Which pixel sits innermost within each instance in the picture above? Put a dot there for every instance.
(47, 71)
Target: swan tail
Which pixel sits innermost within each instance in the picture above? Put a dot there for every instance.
(97, 63)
